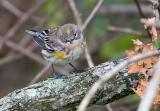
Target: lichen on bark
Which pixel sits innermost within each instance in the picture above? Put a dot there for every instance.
(66, 92)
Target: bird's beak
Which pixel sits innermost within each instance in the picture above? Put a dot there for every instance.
(70, 39)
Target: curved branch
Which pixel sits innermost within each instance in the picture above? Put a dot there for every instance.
(66, 92)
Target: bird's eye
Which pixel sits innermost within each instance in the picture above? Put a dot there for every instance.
(75, 34)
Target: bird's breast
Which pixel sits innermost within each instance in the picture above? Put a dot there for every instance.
(66, 56)
(75, 44)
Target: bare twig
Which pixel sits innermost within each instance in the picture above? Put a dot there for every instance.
(76, 13)
(78, 20)
(112, 73)
(124, 9)
(143, 16)
(10, 7)
(125, 30)
(108, 106)
(151, 90)
(9, 57)
(22, 20)
(94, 11)
(139, 9)
(6, 4)
(22, 50)
(32, 46)
(12, 56)
(26, 39)
(151, 29)
(40, 74)
(82, 27)
(155, 8)
(88, 57)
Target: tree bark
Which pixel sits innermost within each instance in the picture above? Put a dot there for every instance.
(65, 93)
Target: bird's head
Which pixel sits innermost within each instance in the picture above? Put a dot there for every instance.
(69, 34)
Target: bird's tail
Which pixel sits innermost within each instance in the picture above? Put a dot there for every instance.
(32, 32)
(41, 39)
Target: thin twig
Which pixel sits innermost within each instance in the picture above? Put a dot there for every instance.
(6, 4)
(112, 73)
(41, 23)
(125, 9)
(12, 56)
(139, 9)
(82, 27)
(32, 47)
(142, 16)
(125, 30)
(40, 74)
(155, 8)
(22, 50)
(22, 20)
(75, 11)
(88, 57)
(9, 57)
(92, 14)
(78, 20)
(151, 91)
(109, 108)
(10, 7)
(26, 38)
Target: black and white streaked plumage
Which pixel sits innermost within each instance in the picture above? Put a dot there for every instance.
(59, 45)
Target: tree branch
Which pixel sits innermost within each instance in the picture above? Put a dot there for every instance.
(66, 92)
(124, 9)
(111, 73)
(151, 90)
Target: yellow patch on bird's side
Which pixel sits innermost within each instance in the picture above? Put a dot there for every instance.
(60, 54)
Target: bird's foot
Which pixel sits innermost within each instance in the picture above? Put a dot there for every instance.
(57, 75)
(79, 71)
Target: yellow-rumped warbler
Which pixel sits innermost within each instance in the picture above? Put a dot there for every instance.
(60, 45)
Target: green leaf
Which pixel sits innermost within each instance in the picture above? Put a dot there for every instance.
(157, 44)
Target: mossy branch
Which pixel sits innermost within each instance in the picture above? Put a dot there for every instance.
(66, 92)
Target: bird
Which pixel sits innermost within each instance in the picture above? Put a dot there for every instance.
(60, 45)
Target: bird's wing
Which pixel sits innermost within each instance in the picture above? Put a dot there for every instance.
(46, 39)
(52, 40)
(37, 36)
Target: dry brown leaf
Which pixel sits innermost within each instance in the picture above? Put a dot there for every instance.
(137, 42)
(138, 45)
(143, 66)
(134, 68)
(156, 100)
(140, 89)
(130, 53)
(149, 24)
